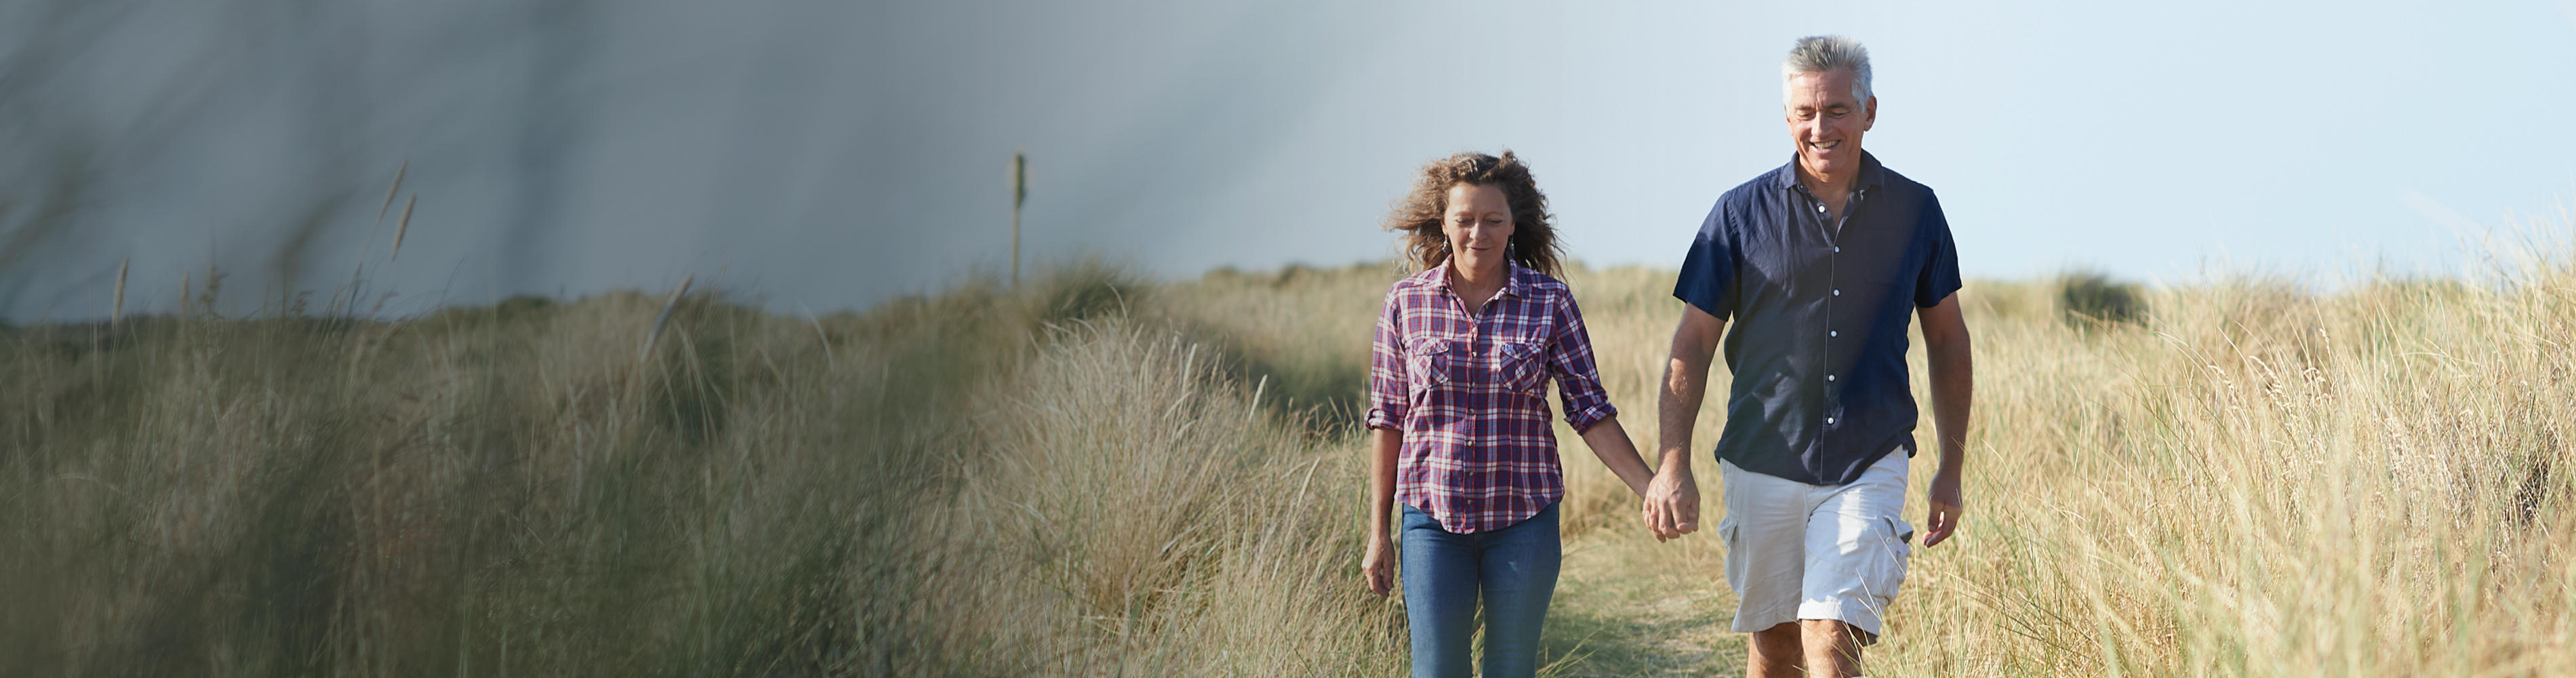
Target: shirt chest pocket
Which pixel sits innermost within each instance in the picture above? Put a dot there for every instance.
(1429, 364)
(1876, 273)
(1511, 366)
(1521, 367)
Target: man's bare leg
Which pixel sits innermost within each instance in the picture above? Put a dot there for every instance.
(1775, 652)
(1832, 647)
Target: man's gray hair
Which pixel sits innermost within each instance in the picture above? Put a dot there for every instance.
(1824, 53)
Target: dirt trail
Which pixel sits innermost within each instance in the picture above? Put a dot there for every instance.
(1628, 606)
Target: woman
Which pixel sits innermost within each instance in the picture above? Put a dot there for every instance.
(1457, 404)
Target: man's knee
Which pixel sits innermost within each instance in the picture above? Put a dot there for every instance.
(1775, 652)
(1785, 638)
(1814, 632)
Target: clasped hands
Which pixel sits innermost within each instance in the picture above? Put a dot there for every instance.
(1672, 504)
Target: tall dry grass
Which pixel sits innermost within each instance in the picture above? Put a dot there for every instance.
(985, 482)
(2243, 478)
(2251, 480)
(1094, 475)
(2259, 482)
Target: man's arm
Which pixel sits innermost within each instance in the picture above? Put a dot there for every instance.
(1672, 500)
(1945, 338)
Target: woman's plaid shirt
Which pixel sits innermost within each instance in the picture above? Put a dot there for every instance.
(1469, 395)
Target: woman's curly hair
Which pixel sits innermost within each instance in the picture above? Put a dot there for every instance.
(1533, 244)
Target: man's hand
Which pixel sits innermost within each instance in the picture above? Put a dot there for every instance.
(1946, 508)
(1672, 500)
(1672, 504)
(1945, 340)
(1378, 567)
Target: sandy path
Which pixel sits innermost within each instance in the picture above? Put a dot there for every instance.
(1628, 606)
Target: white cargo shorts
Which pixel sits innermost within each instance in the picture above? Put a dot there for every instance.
(1798, 551)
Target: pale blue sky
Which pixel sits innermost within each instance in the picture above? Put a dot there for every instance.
(2148, 141)
(829, 155)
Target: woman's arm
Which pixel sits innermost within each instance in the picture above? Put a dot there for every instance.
(1611, 444)
(1378, 568)
(1587, 405)
(1387, 405)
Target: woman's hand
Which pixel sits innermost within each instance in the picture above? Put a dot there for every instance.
(1611, 444)
(1378, 567)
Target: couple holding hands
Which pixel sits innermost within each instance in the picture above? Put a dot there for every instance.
(1821, 265)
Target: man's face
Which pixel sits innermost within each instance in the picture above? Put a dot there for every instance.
(1826, 122)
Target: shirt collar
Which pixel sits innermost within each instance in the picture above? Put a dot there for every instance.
(1515, 285)
(1871, 173)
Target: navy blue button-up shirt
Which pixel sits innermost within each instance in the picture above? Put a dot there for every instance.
(1819, 313)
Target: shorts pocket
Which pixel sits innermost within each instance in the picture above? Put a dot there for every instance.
(1884, 571)
(1737, 564)
(1904, 531)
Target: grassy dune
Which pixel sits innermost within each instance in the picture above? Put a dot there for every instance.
(981, 483)
(2253, 481)
(1094, 475)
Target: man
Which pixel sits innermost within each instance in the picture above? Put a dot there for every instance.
(1819, 264)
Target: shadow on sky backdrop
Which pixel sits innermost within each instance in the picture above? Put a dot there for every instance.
(827, 155)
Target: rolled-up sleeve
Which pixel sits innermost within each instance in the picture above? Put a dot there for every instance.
(1578, 378)
(1386, 368)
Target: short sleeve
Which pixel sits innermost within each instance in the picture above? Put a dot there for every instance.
(1940, 275)
(1708, 269)
(1386, 367)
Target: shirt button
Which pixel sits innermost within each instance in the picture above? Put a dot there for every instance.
(1838, 293)
(1831, 333)
(1829, 377)
(1829, 420)
(1820, 208)
(1838, 248)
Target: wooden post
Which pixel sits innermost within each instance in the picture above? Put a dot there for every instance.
(1019, 195)
(116, 314)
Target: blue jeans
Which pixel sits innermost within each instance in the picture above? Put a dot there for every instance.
(1513, 568)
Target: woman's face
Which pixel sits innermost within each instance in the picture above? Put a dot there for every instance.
(1478, 224)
